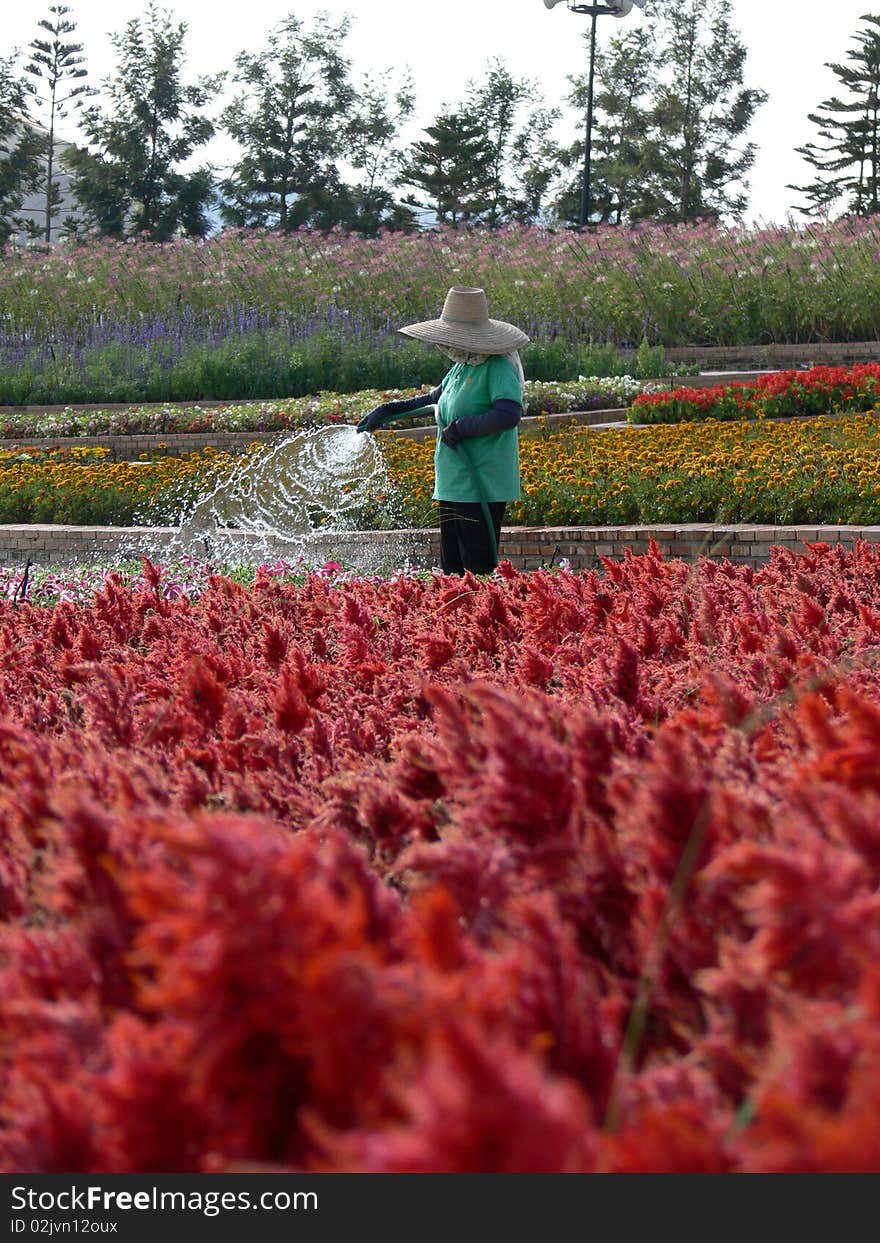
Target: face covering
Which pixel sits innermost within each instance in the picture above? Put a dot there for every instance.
(474, 360)
(463, 356)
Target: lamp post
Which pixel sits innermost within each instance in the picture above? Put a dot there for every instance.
(615, 8)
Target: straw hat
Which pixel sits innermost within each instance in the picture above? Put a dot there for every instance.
(464, 324)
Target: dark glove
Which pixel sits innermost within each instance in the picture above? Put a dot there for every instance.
(374, 419)
(394, 409)
(451, 435)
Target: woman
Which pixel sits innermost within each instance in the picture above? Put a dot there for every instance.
(479, 404)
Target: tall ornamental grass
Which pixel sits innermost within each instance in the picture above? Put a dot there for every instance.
(674, 285)
(263, 314)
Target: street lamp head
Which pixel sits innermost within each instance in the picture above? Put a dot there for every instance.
(616, 8)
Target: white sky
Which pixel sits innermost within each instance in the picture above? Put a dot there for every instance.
(447, 42)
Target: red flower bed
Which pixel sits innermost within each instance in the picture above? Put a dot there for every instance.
(821, 390)
(550, 873)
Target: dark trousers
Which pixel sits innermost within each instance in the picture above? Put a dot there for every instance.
(464, 537)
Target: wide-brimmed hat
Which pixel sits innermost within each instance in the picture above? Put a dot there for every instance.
(464, 324)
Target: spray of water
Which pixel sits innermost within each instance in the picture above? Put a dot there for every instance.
(295, 500)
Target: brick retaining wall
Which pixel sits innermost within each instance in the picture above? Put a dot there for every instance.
(527, 548)
(128, 448)
(827, 353)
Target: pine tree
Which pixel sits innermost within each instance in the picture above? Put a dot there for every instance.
(848, 165)
(132, 179)
(19, 149)
(290, 125)
(56, 65)
(694, 161)
(452, 169)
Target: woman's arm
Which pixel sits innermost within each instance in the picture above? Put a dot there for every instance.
(500, 417)
(397, 409)
(408, 404)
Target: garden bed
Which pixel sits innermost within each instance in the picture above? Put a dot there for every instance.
(289, 414)
(821, 390)
(547, 873)
(129, 447)
(809, 471)
(800, 471)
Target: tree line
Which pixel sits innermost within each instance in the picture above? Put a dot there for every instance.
(319, 146)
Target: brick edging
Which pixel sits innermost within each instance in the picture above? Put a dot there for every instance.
(775, 354)
(527, 548)
(129, 446)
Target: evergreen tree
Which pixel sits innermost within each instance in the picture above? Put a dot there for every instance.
(452, 169)
(19, 149)
(693, 160)
(516, 173)
(371, 149)
(57, 66)
(848, 165)
(291, 127)
(132, 179)
(626, 83)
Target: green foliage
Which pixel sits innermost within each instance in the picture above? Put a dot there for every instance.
(58, 68)
(293, 413)
(132, 180)
(848, 164)
(515, 127)
(265, 365)
(650, 361)
(90, 506)
(371, 140)
(626, 80)
(19, 148)
(673, 286)
(670, 115)
(693, 160)
(287, 122)
(491, 158)
(452, 168)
